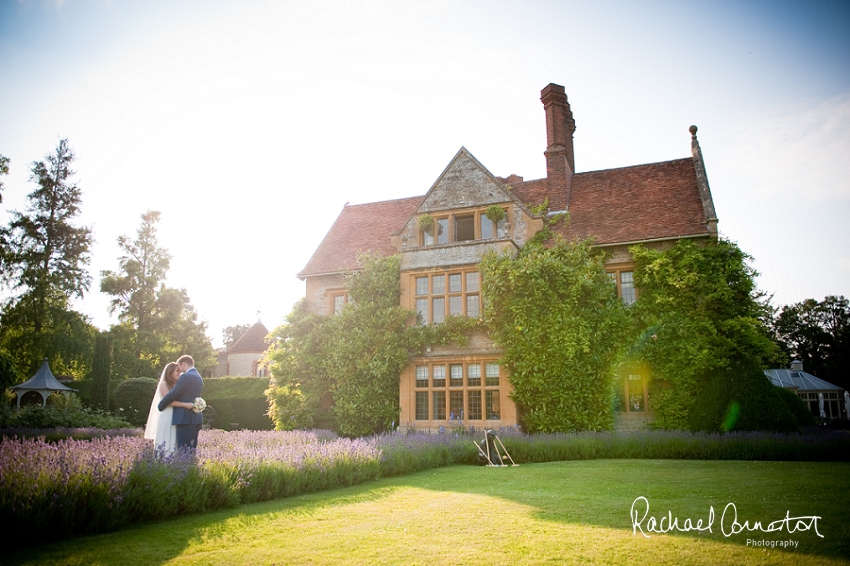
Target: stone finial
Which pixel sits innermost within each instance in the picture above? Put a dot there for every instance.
(693, 130)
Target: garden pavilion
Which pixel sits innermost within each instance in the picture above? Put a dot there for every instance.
(822, 398)
(42, 383)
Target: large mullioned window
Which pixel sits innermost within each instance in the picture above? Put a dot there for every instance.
(465, 391)
(451, 293)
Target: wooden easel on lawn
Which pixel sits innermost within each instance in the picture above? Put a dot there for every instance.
(493, 451)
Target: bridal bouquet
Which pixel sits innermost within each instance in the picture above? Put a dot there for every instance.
(199, 405)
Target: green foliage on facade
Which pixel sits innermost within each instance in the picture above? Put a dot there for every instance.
(699, 317)
(341, 372)
(697, 329)
(555, 313)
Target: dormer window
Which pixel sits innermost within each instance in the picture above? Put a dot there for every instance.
(468, 227)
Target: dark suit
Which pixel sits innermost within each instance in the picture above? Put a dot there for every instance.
(187, 421)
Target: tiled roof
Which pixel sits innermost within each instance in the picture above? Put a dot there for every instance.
(629, 204)
(360, 228)
(643, 202)
(253, 341)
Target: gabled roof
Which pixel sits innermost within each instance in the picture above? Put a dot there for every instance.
(360, 228)
(629, 204)
(465, 182)
(253, 341)
(43, 380)
(799, 380)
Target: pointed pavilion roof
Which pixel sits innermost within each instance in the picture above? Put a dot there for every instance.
(43, 380)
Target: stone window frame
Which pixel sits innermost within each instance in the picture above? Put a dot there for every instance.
(479, 399)
(435, 290)
(337, 299)
(628, 293)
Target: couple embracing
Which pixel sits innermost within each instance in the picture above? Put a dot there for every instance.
(175, 415)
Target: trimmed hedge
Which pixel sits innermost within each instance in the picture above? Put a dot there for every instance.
(239, 402)
(132, 399)
(240, 414)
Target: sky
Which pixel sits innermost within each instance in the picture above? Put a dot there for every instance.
(249, 125)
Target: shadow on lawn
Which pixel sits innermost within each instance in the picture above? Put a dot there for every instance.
(602, 493)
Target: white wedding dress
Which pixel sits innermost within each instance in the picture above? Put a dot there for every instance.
(159, 427)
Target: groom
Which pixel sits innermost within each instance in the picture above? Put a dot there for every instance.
(187, 388)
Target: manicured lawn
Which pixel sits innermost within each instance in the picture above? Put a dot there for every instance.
(554, 513)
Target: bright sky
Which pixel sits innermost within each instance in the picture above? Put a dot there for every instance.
(250, 124)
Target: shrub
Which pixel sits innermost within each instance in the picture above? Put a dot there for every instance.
(799, 409)
(238, 400)
(133, 399)
(250, 414)
(61, 412)
(740, 398)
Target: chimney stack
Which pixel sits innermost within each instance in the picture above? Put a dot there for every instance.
(560, 161)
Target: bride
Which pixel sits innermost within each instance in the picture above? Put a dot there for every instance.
(159, 427)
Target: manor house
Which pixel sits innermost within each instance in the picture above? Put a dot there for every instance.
(442, 235)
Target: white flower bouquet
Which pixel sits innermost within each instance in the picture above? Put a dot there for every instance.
(199, 405)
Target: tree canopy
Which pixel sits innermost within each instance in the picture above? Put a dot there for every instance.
(45, 265)
(157, 323)
(818, 334)
(699, 317)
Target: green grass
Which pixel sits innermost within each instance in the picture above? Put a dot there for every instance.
(554, 513)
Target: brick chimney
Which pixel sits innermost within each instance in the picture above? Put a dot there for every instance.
(560, 161)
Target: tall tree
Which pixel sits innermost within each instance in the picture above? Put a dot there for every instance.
(157, 323)
(134, 287)
(45, 265)
(4, 170)
(818, 334)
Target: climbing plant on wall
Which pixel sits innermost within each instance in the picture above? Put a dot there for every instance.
(555, 313)
(699, 319)
(342, 371)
